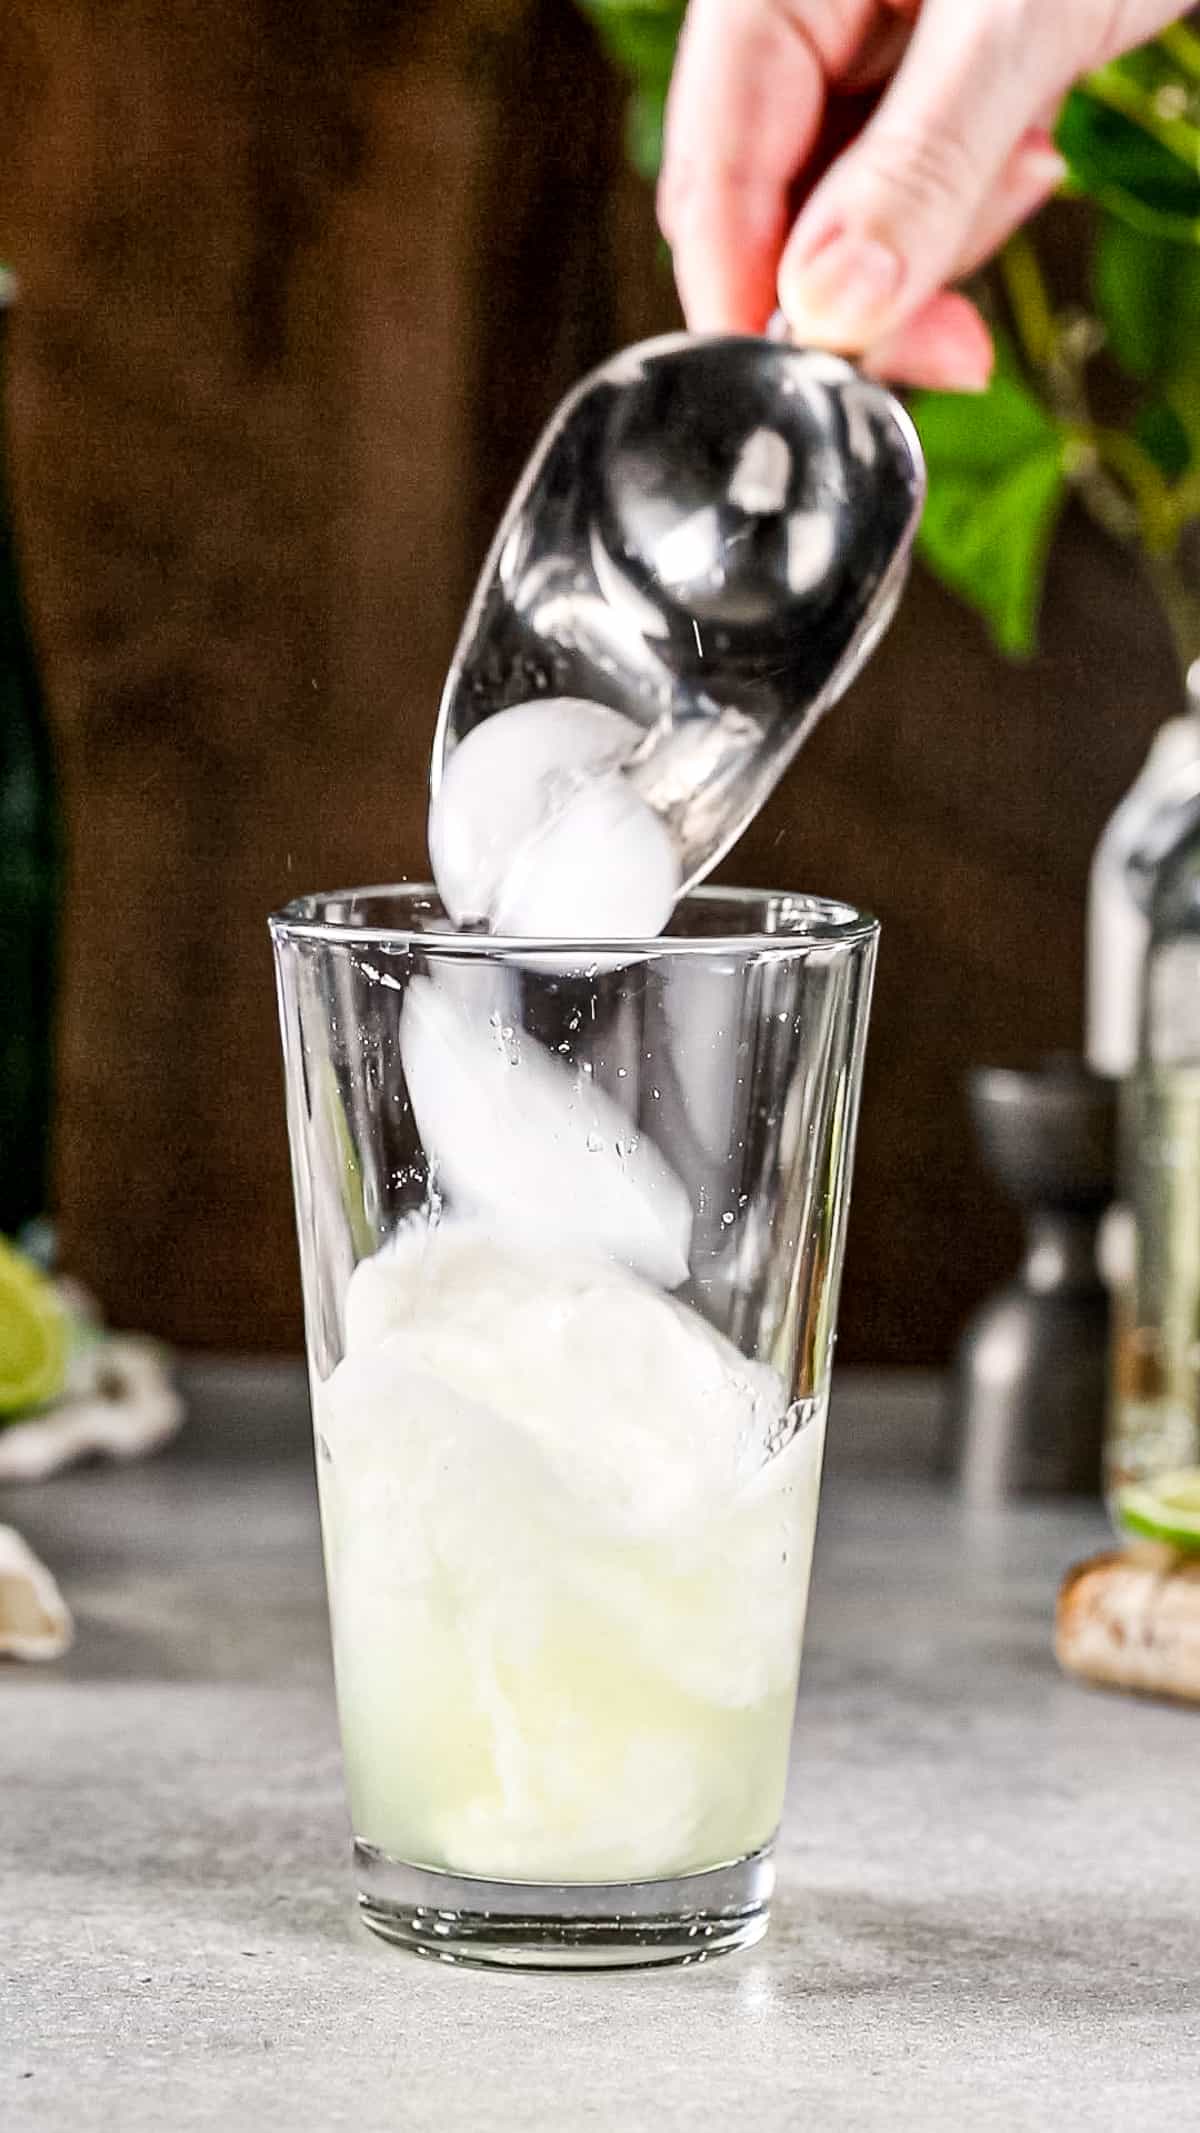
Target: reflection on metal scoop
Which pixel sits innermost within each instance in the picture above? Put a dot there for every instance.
(712, 537)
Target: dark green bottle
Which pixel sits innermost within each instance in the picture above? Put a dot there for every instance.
(29, 890)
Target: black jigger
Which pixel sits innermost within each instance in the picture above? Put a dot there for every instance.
(1029, 1388)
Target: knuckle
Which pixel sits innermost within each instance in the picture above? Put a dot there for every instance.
(689, 185)
(1014, 20)
(921, 171)
(827, 25)
(1064, 41)
(1121, 24)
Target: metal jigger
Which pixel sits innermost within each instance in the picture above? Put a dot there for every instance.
(1029, 1388)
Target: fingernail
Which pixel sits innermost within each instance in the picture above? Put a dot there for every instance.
(1038, 167)
(1046, 169)
(841, 292)
(1039, 171)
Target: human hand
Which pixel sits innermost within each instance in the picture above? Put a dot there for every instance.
(948, 105)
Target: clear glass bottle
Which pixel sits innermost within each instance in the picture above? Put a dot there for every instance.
(29, 891)
(1154, 1245)
(1117, 925)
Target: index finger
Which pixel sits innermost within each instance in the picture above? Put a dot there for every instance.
(743, 114)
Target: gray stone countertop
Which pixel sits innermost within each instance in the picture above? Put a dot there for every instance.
(989, 1903)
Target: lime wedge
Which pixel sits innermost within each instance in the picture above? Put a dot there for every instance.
(33, 1335)
(1165, 1510)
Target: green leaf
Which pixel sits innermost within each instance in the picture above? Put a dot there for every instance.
(1163, 435)
(1131, 140)
(641, 35)
(1183, 396)
(1147, 292)
(1181, 45)
(997, 483)
(645, 120)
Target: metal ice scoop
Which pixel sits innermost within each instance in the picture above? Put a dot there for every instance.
(711, 537)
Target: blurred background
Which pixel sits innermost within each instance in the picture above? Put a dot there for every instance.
(299, 283)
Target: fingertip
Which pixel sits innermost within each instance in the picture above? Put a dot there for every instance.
(945, 347)
(717, 302)
(724, 248)
(838, 292)
(743, 110)
(1037, 162)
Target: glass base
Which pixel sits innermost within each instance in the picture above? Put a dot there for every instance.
(534, 1925)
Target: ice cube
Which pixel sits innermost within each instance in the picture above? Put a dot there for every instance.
(603, 866)
(535, 1145)
(535, 830)
(644, 1413)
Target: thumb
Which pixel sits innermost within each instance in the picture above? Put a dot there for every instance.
(888, 223)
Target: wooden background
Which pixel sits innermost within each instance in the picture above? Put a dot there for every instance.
(300, 283)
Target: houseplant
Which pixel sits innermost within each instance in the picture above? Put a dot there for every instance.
(1096, 397)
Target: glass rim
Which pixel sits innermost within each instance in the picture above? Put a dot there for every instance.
(829, 923)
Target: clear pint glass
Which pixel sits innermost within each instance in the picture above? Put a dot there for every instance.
(571, 1228)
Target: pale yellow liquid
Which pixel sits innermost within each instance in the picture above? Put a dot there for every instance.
(528, 1692)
